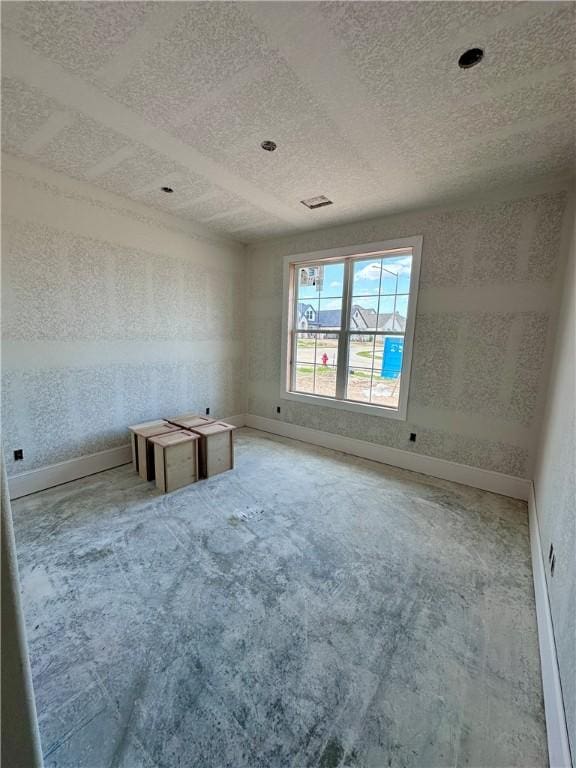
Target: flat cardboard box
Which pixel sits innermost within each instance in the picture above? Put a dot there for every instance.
(175, 459)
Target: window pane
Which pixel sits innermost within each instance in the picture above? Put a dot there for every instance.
(396, 274)
(358, 385)
(326, 365)
(386, 313)
(305, 345)
(393, 313)
(402, 307)
(307, 314)
(330, 313)
(326, 351)
(309, 281)
(366, 277)
(363, 313)
(360, 365)
(333, 281)
(304, 377)
(388, 353)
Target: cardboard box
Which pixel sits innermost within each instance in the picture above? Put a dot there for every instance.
(134, 437)
(216, 449)
(175, 459)
(145, 449)
(190, 420)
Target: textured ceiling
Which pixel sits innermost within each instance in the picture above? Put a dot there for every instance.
(364, 99)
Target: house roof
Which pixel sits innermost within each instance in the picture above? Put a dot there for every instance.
(391, 321)
(330, 318)
(372, 320)
(302, 307)
(368, 318)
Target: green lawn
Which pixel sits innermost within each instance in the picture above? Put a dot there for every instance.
(368, 354)
(321, 370)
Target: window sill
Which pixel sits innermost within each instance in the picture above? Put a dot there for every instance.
(347, 405)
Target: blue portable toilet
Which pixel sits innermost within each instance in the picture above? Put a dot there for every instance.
(392, 360)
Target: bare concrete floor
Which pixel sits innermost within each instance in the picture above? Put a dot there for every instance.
(306, 609)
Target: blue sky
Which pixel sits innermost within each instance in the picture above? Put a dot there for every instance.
(366, 283)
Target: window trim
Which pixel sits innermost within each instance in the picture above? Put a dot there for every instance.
(288, 320)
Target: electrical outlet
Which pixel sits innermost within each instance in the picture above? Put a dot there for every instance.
(412, 437)
(207, 411)
(278, 409)
(18, 454)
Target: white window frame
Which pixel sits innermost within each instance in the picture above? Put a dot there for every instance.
(289, 325)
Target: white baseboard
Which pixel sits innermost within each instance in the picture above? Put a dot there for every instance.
(64, 471)
(516, 487)
(237, 421)
(558, 744)
(73, 469)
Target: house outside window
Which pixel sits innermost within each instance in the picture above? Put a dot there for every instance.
(347, 340)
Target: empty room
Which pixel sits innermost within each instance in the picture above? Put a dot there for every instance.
(288, 384)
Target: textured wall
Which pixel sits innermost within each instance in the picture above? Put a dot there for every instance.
(555, 488)
(112, 314)
(489, 281)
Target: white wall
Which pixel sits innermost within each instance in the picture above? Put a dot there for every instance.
(484, 331)
(555, 491)
(113, 313)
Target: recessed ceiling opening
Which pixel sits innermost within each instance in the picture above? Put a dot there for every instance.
(268, 145)
(167, 189)
(316, 202)
(470, 58)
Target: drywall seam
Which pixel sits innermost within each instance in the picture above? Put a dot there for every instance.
(558, 746)
(516, 487)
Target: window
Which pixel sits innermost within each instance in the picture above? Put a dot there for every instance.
(355, 350)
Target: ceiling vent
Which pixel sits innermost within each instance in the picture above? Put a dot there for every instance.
(316, 202)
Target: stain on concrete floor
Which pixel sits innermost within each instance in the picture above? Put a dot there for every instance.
(306, 609)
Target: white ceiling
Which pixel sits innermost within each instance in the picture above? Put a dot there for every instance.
(364, 99)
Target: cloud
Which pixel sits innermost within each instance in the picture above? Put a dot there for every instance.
(369, 272)
(372, 271)
(336, 284)
(400, 266)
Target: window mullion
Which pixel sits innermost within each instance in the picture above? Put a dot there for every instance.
(293, 353)
(344, 337)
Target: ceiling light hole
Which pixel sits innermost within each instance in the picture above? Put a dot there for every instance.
(470, 58)
(268, 145)
(167, 189)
